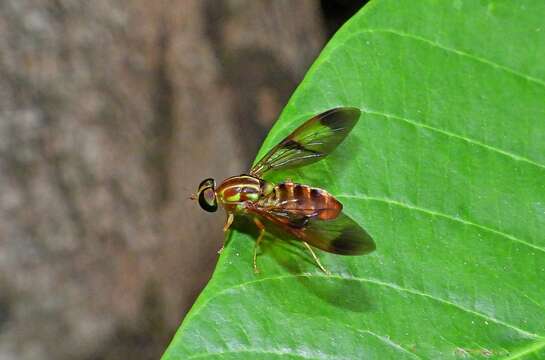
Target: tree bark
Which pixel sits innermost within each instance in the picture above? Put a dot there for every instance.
(111, 113)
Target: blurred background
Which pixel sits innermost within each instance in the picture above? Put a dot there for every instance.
(111, 113)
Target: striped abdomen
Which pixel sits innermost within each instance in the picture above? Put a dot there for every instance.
(306, 200)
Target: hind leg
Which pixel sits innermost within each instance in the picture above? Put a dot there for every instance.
(316, 259)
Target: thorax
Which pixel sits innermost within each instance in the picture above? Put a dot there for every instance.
(235, 191)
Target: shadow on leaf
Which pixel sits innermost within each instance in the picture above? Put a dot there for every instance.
(291, 256)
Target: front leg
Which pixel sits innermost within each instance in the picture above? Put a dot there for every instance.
(228, 222)
(261, 228)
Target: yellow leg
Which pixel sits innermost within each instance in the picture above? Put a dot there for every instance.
(228, 222)
(261, 228)
(316, 259)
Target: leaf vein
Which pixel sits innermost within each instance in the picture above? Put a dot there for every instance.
(390, 343)
(454, 135)
(450, 217)
(366, 280)
(532, 348)
(452, 50)
(253, 351)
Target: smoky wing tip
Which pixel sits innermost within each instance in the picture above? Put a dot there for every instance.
(340, 117)
(350, 114)
(346, 110)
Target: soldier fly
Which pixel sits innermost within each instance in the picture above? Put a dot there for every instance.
(309, 214)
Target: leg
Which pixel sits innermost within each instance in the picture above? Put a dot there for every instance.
(228, 222)
(316, 259)
(261, 228)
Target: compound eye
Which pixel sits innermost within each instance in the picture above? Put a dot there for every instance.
(207, 183)
(207, 199)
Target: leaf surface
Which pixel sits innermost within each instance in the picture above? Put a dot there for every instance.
(445, 169)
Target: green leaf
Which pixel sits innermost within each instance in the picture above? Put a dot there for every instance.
(445, 169)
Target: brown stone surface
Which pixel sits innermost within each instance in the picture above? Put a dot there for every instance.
(111, 112)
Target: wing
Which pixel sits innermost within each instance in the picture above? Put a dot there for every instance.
(341, 235)
(310, 142)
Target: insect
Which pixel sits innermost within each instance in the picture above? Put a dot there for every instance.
(309, 214)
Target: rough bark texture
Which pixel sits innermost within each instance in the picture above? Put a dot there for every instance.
(111, 113)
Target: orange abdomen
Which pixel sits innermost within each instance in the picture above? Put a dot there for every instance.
(307, 200)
